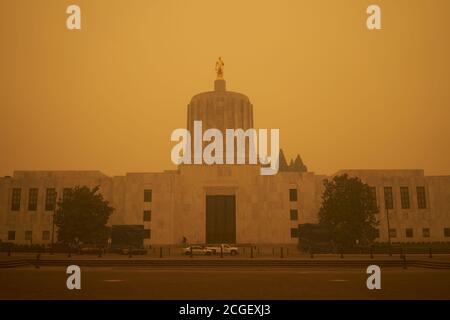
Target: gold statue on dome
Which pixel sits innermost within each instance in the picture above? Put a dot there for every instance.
(219, 68)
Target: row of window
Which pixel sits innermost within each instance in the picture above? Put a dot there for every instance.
(409, 233)
(388, 197)
(46, 235)
(405, 202)
(50, 198)
(33, 193)
(29, 235)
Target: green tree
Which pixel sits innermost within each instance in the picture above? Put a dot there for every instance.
(82, 214)
(348, 211)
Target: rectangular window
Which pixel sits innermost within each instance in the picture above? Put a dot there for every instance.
(426, 232)
(393, 233)
(388, 198)
(66, 192)
(404, 197)
(447, 232)
(15, 199)
(409, 233)
(294, 214)
(45, 235)
(373, 197)
(147, 215)
(32, 199)
(293, 195)
(28, 235)
(147, 233)
(147, 195)
(421, 198)
(11, 235)
(50, 199)
(294, 232)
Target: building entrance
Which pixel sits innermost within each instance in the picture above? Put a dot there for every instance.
(220, 219)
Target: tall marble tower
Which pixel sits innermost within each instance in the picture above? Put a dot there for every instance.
(221, 109)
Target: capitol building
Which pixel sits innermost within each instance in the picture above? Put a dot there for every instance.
(224, 203)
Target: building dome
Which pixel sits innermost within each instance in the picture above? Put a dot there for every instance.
(220, 109)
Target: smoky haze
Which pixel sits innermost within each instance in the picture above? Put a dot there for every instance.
(108, 96)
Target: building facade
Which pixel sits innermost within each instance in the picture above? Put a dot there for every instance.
(223, 203)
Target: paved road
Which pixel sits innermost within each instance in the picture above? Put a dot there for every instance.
(223, 283)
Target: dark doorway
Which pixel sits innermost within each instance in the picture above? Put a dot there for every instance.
(221, 219)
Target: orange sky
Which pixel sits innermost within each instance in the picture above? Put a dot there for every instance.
(108, 97)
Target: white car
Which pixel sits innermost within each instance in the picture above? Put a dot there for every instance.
(197, 250)
(226, 249)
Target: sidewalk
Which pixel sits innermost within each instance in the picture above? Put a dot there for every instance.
(174, 256)
(267, 262)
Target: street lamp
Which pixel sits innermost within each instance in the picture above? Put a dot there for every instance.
(388, 226)
(53, 224)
